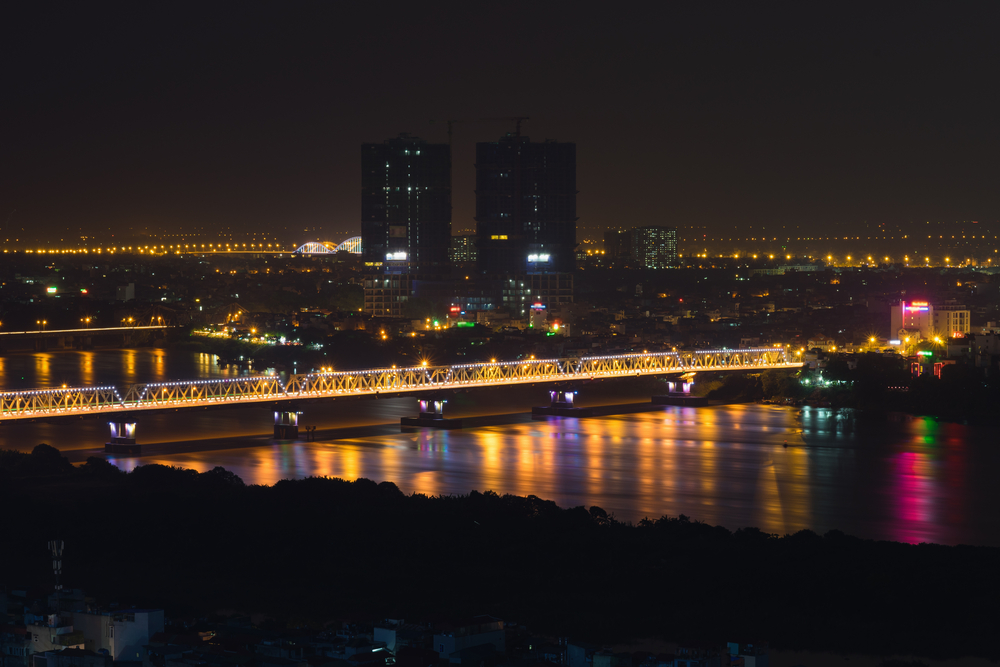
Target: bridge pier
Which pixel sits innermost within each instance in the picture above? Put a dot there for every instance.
(431, 415)
(561, 405)
(679, 393)
(122, 437)
(286, 424)
(40, 345)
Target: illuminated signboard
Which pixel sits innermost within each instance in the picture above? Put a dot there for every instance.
(538, 258)
(51, 290)
(465, 325)
(895, 342)
(538, 306)
(396, 256)
(925, 353)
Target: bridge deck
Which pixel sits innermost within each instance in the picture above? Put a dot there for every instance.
(94, 331)
(82, 401)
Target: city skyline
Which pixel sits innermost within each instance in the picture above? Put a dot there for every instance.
(747, 118)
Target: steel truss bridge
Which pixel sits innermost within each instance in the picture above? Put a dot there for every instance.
(84, 401)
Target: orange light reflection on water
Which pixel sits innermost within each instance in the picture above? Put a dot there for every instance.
(727, 465)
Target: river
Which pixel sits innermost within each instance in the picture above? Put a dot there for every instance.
(780, 469)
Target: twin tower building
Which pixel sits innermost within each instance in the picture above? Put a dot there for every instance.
(525, 240)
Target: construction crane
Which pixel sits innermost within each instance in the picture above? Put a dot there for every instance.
(517, 123)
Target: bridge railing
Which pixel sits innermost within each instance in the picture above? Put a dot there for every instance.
(13, 403)
(166, 394)
(157, 395)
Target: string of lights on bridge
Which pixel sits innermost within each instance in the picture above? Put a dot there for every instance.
(22, 404)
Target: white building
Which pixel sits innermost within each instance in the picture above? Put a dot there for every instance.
(120, 633)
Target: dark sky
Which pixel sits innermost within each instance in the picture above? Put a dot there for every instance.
(252, 115)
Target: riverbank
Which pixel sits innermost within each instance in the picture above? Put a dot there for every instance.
(326, 548)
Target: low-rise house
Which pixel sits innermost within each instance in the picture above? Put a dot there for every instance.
(122, 634)
(71, 657)
(476, 631)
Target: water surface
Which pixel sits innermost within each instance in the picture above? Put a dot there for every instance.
(780, 469)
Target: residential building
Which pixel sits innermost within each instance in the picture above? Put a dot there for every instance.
(386, 295)
(580, 654)
(525, 206)
(463, 249)
(474, 632)
(121, 633)
(15, 646)
(71, 657)
(617, 244)
(53, 632)
(952, 319)
(406, 204)
(654, 247)
(405, 218)
(551, 289)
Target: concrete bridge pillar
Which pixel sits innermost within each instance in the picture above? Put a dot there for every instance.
(431, 415)
(40, 345)
(562, 403)
(122, 437)
(679, 393)
(286, 424)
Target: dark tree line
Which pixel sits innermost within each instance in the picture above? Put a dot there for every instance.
(326, 548)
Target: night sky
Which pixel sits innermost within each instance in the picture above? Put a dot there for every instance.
(251, 115)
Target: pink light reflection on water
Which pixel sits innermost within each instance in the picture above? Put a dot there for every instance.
(727, 465)
(915, 495)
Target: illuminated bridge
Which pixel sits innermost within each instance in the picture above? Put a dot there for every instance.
(78, 338)
(83, 401)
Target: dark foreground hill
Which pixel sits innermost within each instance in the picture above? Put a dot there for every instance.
(327, 548)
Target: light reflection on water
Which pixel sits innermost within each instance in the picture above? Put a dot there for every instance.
(88, 367)
(915, 480)
(724, 465)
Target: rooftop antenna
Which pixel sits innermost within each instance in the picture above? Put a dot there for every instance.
(516, 119)
(56, 547)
